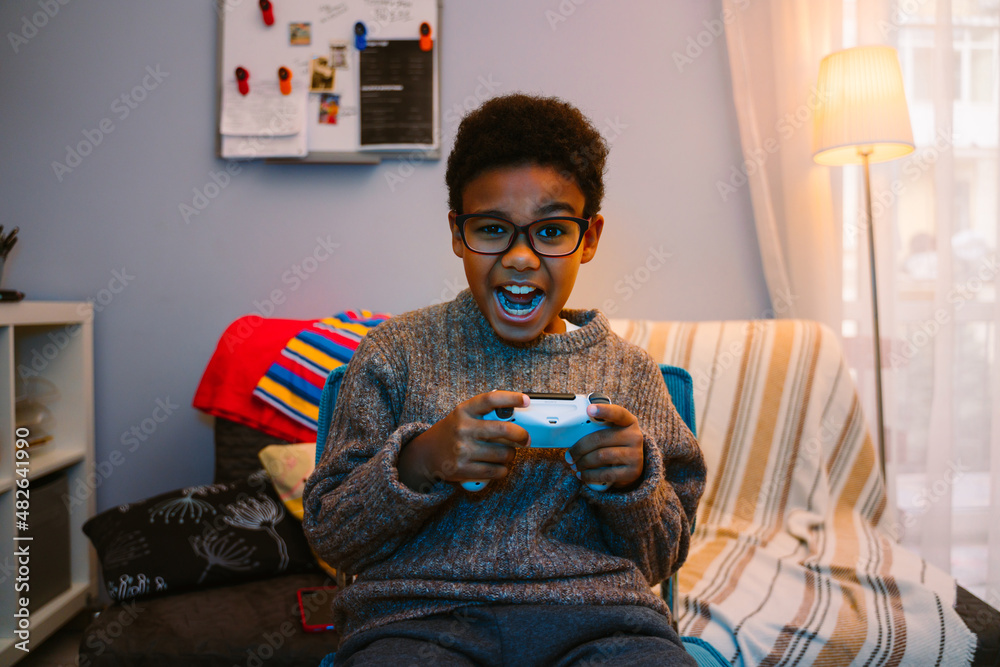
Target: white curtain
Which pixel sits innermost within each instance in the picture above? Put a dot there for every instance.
(774, 51)
(936, 221)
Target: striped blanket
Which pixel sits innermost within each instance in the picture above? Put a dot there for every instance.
(793, 560)
(294, 382)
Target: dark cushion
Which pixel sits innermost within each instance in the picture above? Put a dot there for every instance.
(236, 447)
(984, 621)
(200, 536)
(255, 623)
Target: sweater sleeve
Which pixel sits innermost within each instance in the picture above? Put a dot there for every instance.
(650, 524)
(356, 510)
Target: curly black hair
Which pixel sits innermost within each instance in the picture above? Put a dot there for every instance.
(517, 129)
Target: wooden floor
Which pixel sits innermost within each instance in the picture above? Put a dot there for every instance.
(61, 649)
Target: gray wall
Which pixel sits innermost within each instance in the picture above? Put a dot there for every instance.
(673, 134)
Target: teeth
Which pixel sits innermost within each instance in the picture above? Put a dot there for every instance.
(518, 289)
(519, 308)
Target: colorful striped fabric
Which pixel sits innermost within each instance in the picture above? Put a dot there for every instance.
(294, 382)
(794, 560)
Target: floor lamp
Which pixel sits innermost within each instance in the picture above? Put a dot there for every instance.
(862, 118)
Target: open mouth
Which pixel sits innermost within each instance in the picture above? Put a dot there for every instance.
(519, 300)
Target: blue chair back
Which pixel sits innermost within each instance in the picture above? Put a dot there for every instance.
(327, 400)
(680, 386)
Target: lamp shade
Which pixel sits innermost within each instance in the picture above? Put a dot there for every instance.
(861, 108)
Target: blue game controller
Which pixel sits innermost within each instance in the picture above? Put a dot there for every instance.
(553, 421)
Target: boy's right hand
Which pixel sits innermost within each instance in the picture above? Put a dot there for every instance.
(463, 446)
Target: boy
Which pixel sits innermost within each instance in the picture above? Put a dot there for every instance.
(537, 568)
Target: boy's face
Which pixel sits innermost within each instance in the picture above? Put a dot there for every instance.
(522, 195)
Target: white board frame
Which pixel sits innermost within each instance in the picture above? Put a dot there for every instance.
(355, 10)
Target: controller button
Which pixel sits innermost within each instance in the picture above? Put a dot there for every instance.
(599, 397)
(505, 413)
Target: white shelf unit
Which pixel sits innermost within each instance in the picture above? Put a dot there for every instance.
(53, 341)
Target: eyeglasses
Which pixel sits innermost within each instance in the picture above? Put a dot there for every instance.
(549, 237)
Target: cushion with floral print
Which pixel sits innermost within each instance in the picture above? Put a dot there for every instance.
(199, 536)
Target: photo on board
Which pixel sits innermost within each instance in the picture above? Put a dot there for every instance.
(320, 75)
(300, 34)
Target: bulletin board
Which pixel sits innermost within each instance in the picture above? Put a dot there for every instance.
(351, 81)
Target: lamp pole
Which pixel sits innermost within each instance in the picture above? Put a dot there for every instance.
(864, 152)
(862, 117)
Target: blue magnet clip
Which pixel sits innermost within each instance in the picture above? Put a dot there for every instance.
(360, 36)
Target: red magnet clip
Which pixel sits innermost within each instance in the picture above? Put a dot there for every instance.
(285, 80)
(425, 37)
(242, 78)
(267, 11)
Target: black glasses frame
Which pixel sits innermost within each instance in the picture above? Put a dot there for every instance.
(461, 219)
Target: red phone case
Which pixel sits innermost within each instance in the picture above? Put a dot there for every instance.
(314, 603)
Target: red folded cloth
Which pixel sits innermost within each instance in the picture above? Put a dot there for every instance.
(244, 353)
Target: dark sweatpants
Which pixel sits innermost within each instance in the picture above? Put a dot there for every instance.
(522, 635)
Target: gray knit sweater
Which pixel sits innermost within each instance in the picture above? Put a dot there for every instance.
(538, 536)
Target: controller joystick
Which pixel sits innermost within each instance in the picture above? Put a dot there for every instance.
(554, 421)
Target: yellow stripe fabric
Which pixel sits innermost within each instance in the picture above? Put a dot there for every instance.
(793, 561)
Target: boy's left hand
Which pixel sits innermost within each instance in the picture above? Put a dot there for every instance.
(612, 455)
